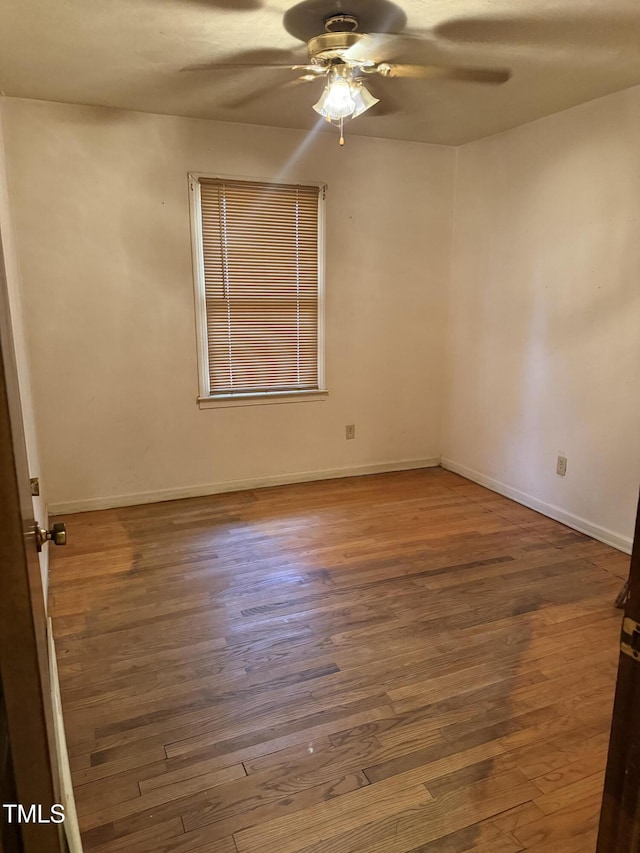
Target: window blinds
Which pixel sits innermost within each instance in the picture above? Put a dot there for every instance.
(260, 252)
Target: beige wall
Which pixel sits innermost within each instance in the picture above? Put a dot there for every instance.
(544, 305)
(544, 336)
(12, 270)
(101, 210)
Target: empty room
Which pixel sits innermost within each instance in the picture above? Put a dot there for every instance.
(319, 426)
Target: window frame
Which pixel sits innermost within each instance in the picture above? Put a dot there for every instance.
(205, 398)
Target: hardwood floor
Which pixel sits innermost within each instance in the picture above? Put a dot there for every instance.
(399, 663)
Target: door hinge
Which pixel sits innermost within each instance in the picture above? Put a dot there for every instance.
(630, 640)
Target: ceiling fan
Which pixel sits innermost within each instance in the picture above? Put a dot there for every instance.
(345, 57)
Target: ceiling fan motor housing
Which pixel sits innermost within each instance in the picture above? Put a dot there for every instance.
(329, 46)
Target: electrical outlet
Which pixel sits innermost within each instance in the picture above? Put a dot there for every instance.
(350, 431)
(561, 467)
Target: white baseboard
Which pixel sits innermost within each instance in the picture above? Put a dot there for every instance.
(71, 826)
(89, 504)
(602, 534)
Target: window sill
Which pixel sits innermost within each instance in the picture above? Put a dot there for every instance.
(227, 401)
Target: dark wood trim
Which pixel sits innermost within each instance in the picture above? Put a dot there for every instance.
(23, 642)
(620, 818)
(9, 833)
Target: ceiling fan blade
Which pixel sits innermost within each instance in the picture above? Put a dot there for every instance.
(599, 29)
(430, 72)
(221, 66)
(259, 58)
(381, 47)
(233, 5)
(261, 91)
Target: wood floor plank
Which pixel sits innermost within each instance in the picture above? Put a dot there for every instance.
(381, 664)
(574, 820)
(411, 828)
(501, 844)
(159, 797)
(587, 765)
(360, 808)
(518, 816)
(462, 840)
(580, 789)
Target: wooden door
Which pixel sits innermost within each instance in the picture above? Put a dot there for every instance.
(620, 817)
(29, 761)
(10, 833)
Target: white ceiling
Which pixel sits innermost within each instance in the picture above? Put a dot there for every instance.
(129, 54)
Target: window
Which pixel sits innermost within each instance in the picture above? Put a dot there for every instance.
(258, 271)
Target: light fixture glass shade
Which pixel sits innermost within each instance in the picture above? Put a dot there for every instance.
(337, 100)
(363, 100)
